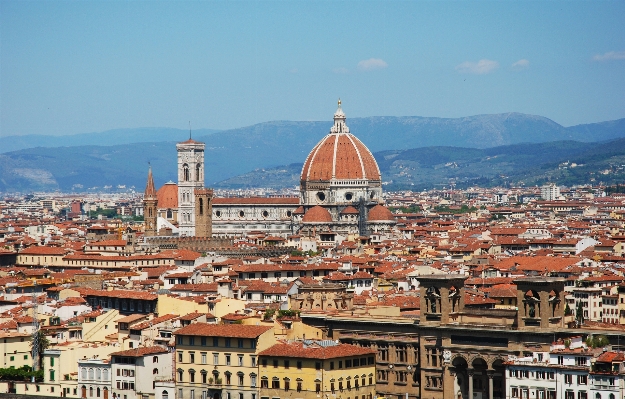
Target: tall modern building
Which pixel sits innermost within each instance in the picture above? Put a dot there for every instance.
(190, 178)
(550, 192)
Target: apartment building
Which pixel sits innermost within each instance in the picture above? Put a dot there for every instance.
(219, 361)
(311, 369)
(134, 371)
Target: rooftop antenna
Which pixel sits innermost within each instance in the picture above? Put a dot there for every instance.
(189, 130)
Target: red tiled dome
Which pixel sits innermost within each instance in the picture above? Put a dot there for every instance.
(317, 214)
(350, 210)
(340, 155)
(380, 213)
(167, 196)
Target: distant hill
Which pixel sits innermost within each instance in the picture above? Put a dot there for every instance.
(232, 153)
(107, 138)
(563, 162)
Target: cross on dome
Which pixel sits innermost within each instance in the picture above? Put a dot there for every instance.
(339, 121)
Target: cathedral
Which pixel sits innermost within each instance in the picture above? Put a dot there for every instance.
(340, 196)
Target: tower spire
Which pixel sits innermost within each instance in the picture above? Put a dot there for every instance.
(189, 130)
(150, 191)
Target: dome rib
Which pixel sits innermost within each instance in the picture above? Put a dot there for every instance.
(340, 156)
(362, 165)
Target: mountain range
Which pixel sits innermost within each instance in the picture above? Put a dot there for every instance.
(564, 162)
(120, 157)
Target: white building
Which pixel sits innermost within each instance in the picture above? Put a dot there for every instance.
(94, 378)
(550, 192)
(135, 371)
(190, 178)
(565, 372)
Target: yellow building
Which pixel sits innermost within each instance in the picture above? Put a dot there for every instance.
(219, 361)
(313, 369)
(16, 349)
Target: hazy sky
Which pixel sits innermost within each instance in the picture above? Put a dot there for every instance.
(83, 66)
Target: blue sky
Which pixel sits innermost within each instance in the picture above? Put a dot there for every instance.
(72, 67)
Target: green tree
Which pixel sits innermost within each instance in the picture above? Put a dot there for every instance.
(579, 313)
(567, 310)
(44, 343)
(597, 341)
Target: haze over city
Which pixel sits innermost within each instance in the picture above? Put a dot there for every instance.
(75, 67)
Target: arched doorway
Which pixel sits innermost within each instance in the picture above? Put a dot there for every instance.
(83, 392)
(461, 387)
(499, 379)
(479, 380)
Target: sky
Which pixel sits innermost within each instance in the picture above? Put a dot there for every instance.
(70, 67)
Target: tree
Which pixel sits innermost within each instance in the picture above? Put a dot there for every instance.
(597, 341)
(567, 310)
(43, 344)
(579, 313)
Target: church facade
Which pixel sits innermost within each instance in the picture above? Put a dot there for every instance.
(340, 195)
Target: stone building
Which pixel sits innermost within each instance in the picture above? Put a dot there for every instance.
(324, 297)
(453, 351)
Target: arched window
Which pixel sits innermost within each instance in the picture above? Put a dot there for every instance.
(197, 172)
(201, 206)
(155, 359)
(90, 391)
(169, 214)
(91, 374)
(98, 374)
(180, 374)
(155, 371)
(185, 172)
(84, 373)
(105, 375)
(97, 392)
(165, 395)
(598, 396)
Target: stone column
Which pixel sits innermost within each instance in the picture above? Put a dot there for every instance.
(470, 373)
(491, 374)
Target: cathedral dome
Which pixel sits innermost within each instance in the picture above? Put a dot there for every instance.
(340, 156)
(380, 213)
(317, 214)
(167, 196)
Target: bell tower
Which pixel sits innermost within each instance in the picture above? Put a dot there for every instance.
(149, 206)
(204, 212)
(442, 298)
(190, 178)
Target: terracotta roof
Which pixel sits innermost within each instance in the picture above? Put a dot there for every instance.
(380, 213)
(350, 210)
(131, 318)
(503, 291)
(317, 214)
(122, 294)
(340, 155)
(167, 196)
(108, 243)
(139, 352)
(153, 322)
(609, 357)
(223, 330)
(43, 250)
(195, 315)
(315, 351)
